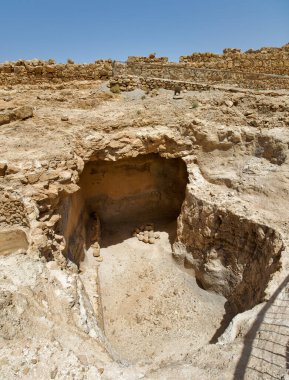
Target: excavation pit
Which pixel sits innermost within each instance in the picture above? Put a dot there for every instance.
(147, 304)
(150, 307)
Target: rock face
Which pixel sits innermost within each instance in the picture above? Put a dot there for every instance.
(136, 189)
(230, 254)
(20, 113)
(214, 164)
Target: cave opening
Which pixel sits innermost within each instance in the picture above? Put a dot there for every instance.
(136, 189)
(122, 195)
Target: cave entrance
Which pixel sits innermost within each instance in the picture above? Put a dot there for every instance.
(135, 190)
(122, 195)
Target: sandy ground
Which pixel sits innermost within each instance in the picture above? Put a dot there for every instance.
(153, 311)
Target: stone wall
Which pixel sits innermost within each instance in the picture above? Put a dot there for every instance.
(186, 73)
(267, 68)
(134, 59)
(130, 83)
(264, 60)
(200, 83)
(37, 71)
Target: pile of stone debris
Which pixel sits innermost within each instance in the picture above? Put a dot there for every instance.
(146, 234)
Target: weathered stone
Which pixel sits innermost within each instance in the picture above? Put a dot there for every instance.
(229, 103)
(23, 113)
(4, 118)
(3, 168)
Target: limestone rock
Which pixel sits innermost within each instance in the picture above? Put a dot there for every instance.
(229, 103)
(3, 168)
(4, 118)
(95, 249)
(23, 113)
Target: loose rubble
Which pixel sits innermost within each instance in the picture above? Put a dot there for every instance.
(146, 234)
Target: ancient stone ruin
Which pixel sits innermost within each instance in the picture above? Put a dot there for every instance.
(144, 217)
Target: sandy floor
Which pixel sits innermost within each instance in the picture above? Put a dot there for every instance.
(153, 311)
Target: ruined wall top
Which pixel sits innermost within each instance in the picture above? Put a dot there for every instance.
(269, 60)
(37, 71)
(153, 59)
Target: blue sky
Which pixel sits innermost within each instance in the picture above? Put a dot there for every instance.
(86, 30)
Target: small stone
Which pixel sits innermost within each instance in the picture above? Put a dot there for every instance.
(25, 371)
(65, 176)
(151, 240)
(253, 123)
(154, 92)
(64, 118)
(34, 361)
(145, 239)
(95, 253)
(156, 235)
(260, 233)
(229, 103)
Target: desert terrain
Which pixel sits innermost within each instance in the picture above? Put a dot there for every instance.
(143, 235)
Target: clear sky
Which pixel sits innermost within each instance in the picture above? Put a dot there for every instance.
(85, 30)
